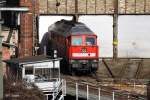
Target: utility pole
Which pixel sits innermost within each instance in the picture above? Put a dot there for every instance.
(35, 40)
(76, 16)
(34, 26)
(115, 30)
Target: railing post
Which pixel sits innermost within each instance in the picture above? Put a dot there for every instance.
(113, 95)
(76, 91)
(99, 94)
(87, 92)
(63, 87)
(46, 97)
(134, 85)
(53, 96)
(128, 96)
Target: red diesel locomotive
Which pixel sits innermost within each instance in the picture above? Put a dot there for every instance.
(76, 44)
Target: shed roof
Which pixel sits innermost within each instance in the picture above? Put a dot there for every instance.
(30, 59)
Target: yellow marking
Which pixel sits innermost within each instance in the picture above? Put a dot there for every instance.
(115, 42)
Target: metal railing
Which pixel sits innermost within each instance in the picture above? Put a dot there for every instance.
(58, 87)
(101, 92)
(61, 87)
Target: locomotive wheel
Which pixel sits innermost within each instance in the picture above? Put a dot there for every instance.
(71, 70)
(72, 73)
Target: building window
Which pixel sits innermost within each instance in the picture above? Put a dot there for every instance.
(29, 70)
(46, 74)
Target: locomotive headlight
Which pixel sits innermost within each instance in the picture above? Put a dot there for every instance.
(94, 65)
(84, 50)
(72, 61)
(94, 60)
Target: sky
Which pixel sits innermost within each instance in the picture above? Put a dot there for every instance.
(133, 33)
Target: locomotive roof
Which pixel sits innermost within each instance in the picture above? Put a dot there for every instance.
(67, 28)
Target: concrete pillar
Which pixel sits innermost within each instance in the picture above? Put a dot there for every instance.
(115, 30)
(1, 67)
(76, 17)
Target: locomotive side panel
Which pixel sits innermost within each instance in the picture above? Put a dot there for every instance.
(59, 43)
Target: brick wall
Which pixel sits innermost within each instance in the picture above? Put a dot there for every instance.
(26, 28)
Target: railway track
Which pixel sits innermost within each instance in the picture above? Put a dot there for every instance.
(125, 87)
(94, 84)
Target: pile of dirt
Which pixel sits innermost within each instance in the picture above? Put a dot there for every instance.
(19, 91)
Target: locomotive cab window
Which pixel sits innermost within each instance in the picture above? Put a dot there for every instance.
(90, 41)
(76, 41)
